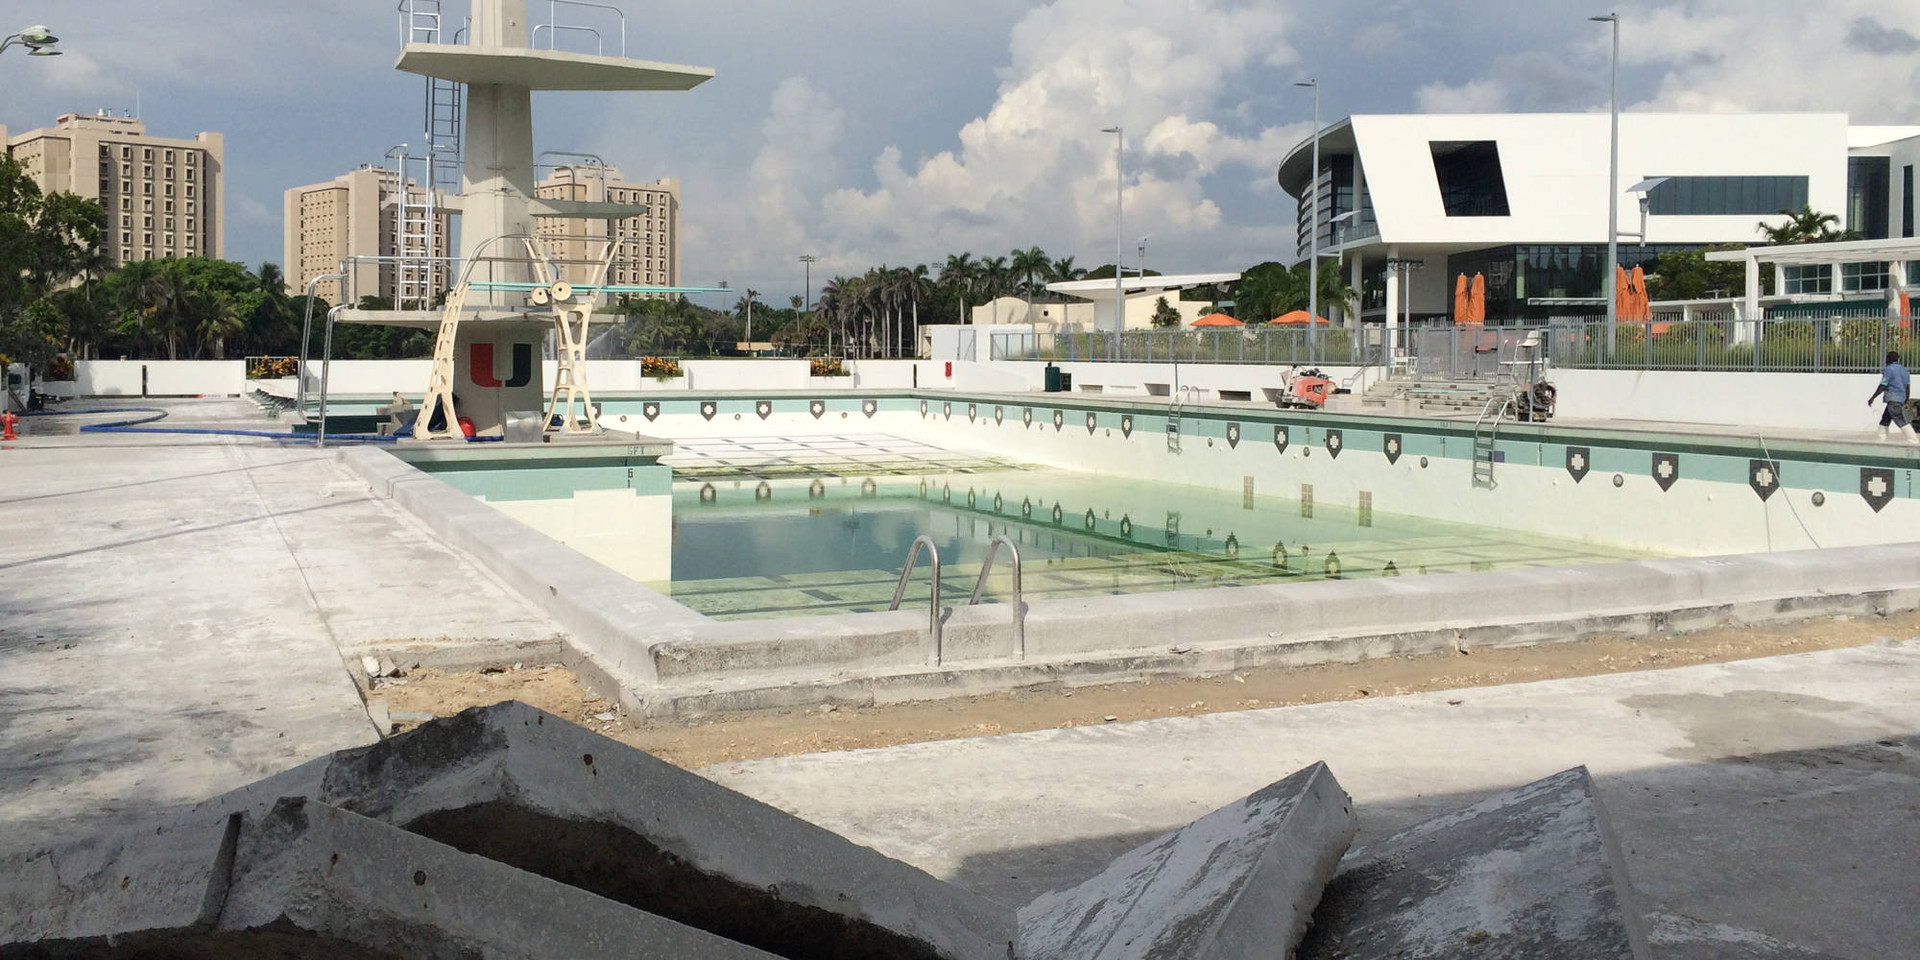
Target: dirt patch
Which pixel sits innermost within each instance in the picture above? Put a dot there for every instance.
(697, 743)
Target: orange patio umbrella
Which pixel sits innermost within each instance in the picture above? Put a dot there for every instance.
(1477, 299)
(1217, 320)
(1462, 308)
(1622, 295)
(1298, 318)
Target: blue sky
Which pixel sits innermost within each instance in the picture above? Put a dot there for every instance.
(870, 131)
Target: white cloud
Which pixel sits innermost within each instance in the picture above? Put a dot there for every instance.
(1474, 96)
(1035, 168)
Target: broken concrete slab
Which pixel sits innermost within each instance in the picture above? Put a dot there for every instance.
(1531, 873)
(1239, 882)
(308, 880)
(1684, 938)
(529, 789)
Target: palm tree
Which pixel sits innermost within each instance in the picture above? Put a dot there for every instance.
(1806, 226)
(1063, 269)
(1030, 265)
(961, 272)
(915, 284)
(995, 276)
(745, 309)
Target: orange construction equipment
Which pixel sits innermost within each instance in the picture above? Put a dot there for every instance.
(1217, 320)
(1461, 306)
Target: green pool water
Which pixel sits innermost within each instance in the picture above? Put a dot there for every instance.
(746, 549)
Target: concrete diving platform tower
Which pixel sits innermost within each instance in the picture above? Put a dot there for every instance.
(510, 291)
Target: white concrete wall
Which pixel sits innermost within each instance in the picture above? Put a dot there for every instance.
(353, 377)
(1555, 166)
(162, 378)
(1818, 401)
(746, 374)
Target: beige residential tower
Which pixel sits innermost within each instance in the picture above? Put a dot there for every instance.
(354, 215)
(648, 252)
(163, 196)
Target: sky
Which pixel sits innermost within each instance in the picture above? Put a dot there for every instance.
(880, 131)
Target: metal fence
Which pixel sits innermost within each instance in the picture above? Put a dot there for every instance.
(1255, 344)
(1788, 344)
(1795, 344)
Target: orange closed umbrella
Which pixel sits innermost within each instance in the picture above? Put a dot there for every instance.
(1217, 320)
(1462, 307)
(1622, 295)
(1477, 299)
(1298, 318)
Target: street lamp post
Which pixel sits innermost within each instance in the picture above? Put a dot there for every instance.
(1313, 231)
(1613, 185)
(37, 39)
(1119, 236)
(806, 299)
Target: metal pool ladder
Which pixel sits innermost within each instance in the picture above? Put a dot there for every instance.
(1173, 418)
(1486, 432)
(933, 609)
(1019, 608)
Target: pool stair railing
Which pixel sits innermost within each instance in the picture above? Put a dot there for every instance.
(934, 625)
(1486, 436)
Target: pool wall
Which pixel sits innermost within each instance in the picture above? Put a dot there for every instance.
(1669, 492)
(661, 658)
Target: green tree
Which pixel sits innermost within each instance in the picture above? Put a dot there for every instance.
(1689, 275)
(46, 242)
(1806, 225)
(1164, 314)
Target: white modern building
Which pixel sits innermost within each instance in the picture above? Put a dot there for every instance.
(1522, 200)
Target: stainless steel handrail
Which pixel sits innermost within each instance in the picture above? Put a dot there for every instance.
(306, 334)
(1019, 608)
(326, 368)
(933, 609)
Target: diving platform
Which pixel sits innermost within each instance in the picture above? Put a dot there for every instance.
(532, 69)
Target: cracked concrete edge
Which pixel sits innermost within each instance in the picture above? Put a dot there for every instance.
(1529, 872)
(1240, 882)
(514, 754)
(300, 870)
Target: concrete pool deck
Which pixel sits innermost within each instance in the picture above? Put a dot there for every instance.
(180, 614)
(1756, 801)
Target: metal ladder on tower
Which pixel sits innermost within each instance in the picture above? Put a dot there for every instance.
(1486, 437)
(421, 22)
(415, 220)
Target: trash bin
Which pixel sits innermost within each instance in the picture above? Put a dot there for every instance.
(1066, 383)
(1053, 379)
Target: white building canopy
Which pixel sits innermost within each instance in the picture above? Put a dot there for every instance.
(1898, 251)
(1093, 289)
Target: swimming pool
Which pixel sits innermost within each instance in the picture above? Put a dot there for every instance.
(786, 547)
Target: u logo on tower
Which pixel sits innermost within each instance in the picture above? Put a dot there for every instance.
(480, 360)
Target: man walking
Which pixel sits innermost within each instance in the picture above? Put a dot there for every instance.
(1894, 382)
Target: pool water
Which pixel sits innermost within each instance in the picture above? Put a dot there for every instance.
(744, 549)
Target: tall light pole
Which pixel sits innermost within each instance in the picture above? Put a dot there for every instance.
(1313, 231)
(1613, 186)
(1143, 253)
(806, 297)
(37, 39)
(1119, 236)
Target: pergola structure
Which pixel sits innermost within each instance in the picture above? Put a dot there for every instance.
(1896, 253)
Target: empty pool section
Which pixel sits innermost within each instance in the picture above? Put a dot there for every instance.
(763, 550)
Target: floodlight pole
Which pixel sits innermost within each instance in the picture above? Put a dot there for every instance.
(37, 39)
(1119, 236)
(806, 301)
(1313, 232)
(1613, 187)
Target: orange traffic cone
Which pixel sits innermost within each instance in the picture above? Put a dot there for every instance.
(7, 420)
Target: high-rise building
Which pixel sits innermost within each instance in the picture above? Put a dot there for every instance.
(164, 197)
(648, 244)
(355, 215)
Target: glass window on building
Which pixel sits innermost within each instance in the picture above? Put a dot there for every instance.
(1862, 277)
(1867, 198)
(1726, 196)
(1906, 200)
(1471, 181)
(1807, 278)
